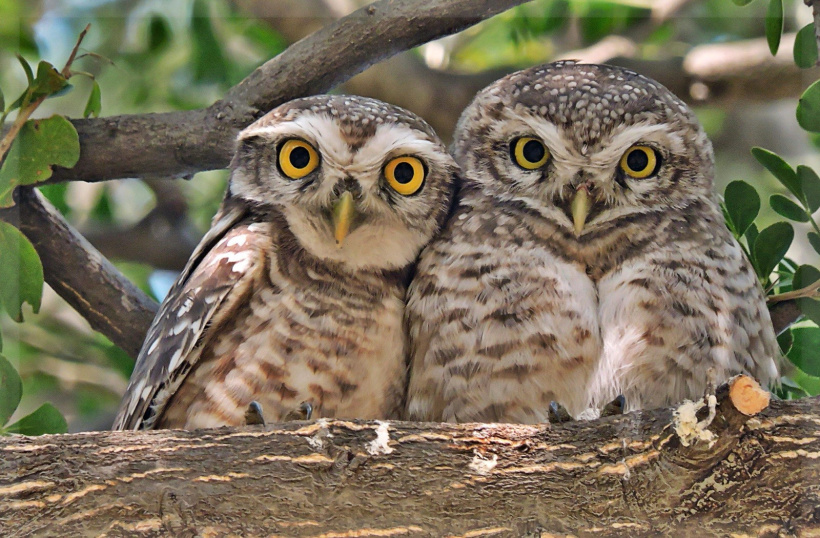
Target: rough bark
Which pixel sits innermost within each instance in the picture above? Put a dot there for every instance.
(642, 474)
(82, 276)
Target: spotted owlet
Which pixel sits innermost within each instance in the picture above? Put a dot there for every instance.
(587, 258)
(296, 294)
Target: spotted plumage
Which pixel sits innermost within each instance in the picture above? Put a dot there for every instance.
(296, 294)
(587, 258)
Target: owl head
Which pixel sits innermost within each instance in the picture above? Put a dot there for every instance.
(358, 181)
(586, 144)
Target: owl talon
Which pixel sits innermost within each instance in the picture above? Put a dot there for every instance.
(303, 412)
(558, 413)
(615, 407)
(253, 415)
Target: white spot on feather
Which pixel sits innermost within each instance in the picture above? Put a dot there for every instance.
(175, 360)
(238, 240)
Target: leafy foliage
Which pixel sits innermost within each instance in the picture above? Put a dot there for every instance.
(46, 419)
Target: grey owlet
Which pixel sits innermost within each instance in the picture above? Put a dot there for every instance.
(587, 258)
(296, 295)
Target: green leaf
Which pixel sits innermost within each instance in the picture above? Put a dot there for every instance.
(48, 81)
(159, 33)
(39, 145)
(786, 208)
(779, 168)
(809, 384)
(45, 419)
(805, 351)
(94, 104)
(814, 240)
(770, 246)
(11, 390)
(21, 270)
(742, 205)
(2, 102)
(805, 276)
(209, 61)
(785, 341)
(810, 185)
(774, 24)
(808, 108)
(805, 47)
(27, 69)
(742, 2)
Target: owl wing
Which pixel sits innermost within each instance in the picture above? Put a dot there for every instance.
(203, 293)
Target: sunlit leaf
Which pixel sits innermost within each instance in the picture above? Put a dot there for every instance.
(805, 47)
(94, 104)
(48, 81)
(742, 205)
(26, 68)
(39, 145)
(774, 24)
(21, 270)
(808, 108)
(11, 390)
(45, 419)
(805, 351)
(810, 185)
(810, 384)
(779, 168)
(786, 208)
(770, 246)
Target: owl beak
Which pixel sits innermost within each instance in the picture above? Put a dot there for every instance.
(579, 207)
(343, 212)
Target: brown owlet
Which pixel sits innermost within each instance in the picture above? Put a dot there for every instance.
(587, 258)
(296, 295)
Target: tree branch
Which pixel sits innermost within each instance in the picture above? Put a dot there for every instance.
(93, 286)
(705, 472)
(178, 144)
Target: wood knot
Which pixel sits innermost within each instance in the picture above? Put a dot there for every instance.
(747, 395)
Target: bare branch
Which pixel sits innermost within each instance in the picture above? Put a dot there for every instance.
(92, 286)
(712, 471)
(178, 144)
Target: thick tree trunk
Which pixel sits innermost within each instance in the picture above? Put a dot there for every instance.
(641, 474)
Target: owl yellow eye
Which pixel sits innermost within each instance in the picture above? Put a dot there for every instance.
(297, 158)
(640, 162)
(405, 175)
(529, 153)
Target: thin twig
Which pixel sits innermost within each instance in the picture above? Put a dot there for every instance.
(810, 291)
(66, 72)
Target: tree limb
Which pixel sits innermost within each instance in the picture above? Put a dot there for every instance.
(178, 144)
(93, 286)
(690, 473)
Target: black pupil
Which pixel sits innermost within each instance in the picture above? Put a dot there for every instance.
(533, 151)
(299, 157)
(637, 160)
(403, 173)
